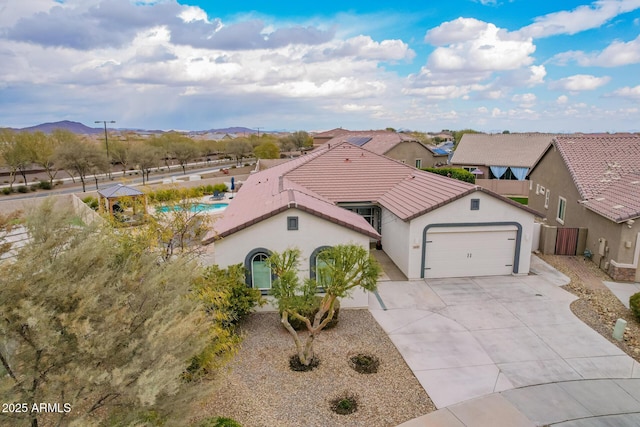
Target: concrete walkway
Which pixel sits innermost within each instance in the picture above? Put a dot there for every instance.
(507, 351)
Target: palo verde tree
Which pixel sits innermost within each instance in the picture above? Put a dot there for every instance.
(91, 318)
(343, 268)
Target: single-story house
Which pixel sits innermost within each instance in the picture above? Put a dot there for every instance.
(431, 226)
(593, 182)
(396, 145)
(501, 162)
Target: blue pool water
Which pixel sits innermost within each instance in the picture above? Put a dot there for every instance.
(196, 207)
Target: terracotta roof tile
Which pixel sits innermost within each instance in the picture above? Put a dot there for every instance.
(605, 169)
(335, 174)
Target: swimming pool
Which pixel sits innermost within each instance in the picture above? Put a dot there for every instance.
(196, 207)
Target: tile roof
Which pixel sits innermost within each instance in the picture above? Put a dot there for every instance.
(512, 149)
(317, 181)
(380, 141)
(606, 171)
(119, 190)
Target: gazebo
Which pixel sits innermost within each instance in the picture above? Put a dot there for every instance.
(119, 199)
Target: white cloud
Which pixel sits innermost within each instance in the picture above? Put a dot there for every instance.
(580, 82)
(365, 47)
(579, 19)
(562, 99)
(469, 44)
(632, 93)
(525, 100)
(617, 54)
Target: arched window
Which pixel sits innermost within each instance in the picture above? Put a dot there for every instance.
(259, 273)
(317, 267)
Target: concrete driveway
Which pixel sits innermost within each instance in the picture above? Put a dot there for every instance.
(470, 337)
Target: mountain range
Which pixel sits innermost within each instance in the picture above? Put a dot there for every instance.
(79, 128)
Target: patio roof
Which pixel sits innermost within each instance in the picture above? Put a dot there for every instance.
(119, 190)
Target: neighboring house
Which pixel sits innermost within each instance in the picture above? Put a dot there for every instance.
(593, 182)
(429, 225)
(501, 162)
(396, 145)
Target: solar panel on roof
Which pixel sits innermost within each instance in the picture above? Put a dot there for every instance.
(358, 141)
(440, 151)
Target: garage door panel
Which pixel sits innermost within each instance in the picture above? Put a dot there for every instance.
(460, 254)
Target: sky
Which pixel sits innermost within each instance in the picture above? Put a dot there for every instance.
(488, 65)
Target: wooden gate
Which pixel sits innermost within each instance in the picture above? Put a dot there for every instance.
(566, 241)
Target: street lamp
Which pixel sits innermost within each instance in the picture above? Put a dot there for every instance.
(106, 141)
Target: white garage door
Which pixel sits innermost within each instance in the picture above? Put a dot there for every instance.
(469, 252)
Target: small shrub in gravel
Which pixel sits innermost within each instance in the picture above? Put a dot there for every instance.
(297, 366)
(634, 305)
(345, 404)
(219, 422)
(364, 363)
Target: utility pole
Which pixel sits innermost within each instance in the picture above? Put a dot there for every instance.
(106, 141)
(258, 131)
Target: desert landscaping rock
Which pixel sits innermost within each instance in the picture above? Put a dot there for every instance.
(258, 389)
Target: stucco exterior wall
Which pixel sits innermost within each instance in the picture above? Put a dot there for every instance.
(491, 210)
(396, 240)
(409, 151)
(272, 234)
(552, 173)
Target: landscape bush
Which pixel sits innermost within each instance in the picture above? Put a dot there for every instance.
(7, 190)
(44, 185)
(634, 305)
(164, 195)
(219, 422)
(92, 202)
(455, 173)
(242, 301)
(23, 189)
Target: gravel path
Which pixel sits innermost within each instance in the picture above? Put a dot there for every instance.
(260, 389)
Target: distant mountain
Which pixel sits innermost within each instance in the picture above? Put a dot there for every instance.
(235, 129)
(74, 127)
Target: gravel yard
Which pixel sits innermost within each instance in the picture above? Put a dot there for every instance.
(598, 307)
(259, 389)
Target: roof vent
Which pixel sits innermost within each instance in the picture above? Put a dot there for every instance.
(347, 160)
(635, 182)
(617, 207)
(599, 199)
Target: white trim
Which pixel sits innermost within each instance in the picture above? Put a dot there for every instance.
(636, 256)
(561, 202)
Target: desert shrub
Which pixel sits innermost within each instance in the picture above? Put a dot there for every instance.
(33, 187)
(7, 190)
(299, 325)
(221, 188)
(634, 305)
(23, 189)
(219, 422)
(58, 182)
(92, 202)
(345, 404)
(364, 363)
(455, 173)
(44, 185)
(242, 301)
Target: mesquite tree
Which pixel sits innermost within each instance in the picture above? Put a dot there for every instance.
(341, 269)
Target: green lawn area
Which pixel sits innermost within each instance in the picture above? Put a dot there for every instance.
(521, 200)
